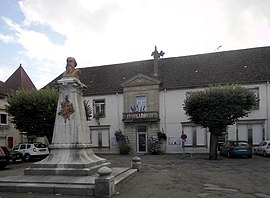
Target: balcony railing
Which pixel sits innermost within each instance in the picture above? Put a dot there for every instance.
(135, 117)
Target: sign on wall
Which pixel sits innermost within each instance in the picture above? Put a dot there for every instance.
(174, 140)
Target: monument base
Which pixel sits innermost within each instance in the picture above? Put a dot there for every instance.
(68, 159)
(69, 185)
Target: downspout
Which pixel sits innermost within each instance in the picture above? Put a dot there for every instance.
(165, 116)
(267, 112)
(117, 95)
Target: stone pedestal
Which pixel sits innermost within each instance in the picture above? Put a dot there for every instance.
(71, 152)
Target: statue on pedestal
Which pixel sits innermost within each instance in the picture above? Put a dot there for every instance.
(70, 68)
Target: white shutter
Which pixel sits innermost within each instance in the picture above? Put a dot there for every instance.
(257, 133)
(242, 132)
(105, 138)
(201, 136)
(188, 130)
(94, 137)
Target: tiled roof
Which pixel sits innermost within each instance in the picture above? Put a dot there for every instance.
(238, 66)
(19, 80)
(2, 90)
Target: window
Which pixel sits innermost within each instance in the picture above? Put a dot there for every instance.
(100, 138)
(196, 135)
(256, 92)
(141, 103)
(3, 118)
(251, 131)
(99, 108)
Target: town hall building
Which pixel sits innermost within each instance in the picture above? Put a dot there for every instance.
(145, 97)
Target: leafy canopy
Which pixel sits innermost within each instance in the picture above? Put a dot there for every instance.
(219, 106)
(33, 111)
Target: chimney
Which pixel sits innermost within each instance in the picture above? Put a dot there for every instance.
(157, 56)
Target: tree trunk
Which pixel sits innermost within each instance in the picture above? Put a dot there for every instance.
(213, 146)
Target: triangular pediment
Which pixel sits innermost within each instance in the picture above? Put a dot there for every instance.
(140, 80)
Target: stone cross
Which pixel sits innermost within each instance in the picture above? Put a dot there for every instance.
(157, 56)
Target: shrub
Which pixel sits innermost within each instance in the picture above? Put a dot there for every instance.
(124, 149)
(161, 136)
(154, 147)
(122, 141)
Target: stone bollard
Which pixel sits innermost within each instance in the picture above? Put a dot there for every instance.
(136, 163)
(104, 184)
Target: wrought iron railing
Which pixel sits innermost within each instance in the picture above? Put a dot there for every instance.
(150, 116)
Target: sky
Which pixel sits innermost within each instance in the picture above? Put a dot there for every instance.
(41, 34)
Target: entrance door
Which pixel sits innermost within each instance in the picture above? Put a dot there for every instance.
(141, 139)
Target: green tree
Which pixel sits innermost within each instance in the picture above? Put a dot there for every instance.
(88, 110)
(33, 111)
(218, 106)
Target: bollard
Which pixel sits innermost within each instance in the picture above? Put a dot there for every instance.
(104, 184)
(136, 163)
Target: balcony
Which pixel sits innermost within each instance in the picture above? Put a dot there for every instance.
(141, 117)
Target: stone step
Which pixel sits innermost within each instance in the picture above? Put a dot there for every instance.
(64, 171)
(68, 189)
(124, 177)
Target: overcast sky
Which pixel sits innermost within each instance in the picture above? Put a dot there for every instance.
(41, 34)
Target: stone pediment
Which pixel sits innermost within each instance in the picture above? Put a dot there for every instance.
(140, 80)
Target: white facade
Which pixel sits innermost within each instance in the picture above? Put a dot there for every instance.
(106, 126)
(174, 122)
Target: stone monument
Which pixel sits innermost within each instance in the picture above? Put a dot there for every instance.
(71, 152)
(71, 167)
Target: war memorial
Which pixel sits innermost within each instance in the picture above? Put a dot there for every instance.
(71, 167)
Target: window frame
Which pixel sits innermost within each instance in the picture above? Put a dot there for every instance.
(256, 91)
(6, 118)
(101, 134)
(140, 101)
(194, 133)
(99, 107)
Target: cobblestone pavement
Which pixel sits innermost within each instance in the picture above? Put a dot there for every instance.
(177, 176)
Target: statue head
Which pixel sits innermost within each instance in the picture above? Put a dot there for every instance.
(70, 68)
(71, 62)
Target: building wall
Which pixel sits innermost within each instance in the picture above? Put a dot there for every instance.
(173, 118)
(113, 120)
(8, 132)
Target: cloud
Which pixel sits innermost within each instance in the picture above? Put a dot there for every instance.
(115, 31)
(6, 38)
(66, 16)
(245, 20)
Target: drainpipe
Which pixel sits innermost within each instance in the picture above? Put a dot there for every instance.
(165, 111)
(267, 112)
(117, 106)
(165, 116)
